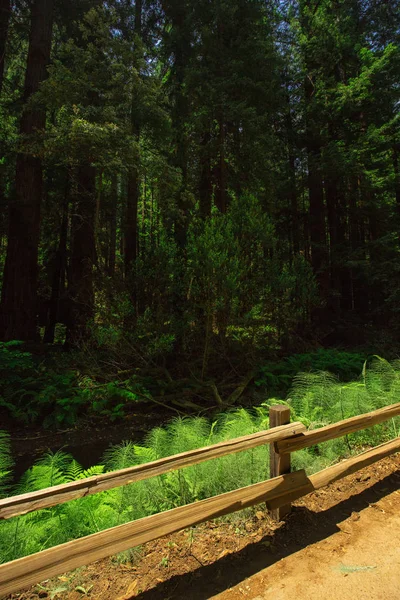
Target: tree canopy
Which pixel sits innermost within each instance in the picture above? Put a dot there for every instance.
(194, 181)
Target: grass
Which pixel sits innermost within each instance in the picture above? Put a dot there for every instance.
(315, 399)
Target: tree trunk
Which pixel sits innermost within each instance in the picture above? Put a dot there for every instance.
(80, 288)
(332, 205)
(58, 282)
(176, 13)
(294, 211)
(316, 195)
(5, 12)
(396, 169)
(19, 294)
(131, 241)
(360, 290)
(131, 236)
(112, 242)
(220, 188)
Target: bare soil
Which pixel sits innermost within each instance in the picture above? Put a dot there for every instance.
(340, 542)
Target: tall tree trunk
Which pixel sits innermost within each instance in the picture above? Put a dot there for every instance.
(112, 242)
(319, 258)
(176, 12)
(58, 282)
(396, 169)
(80, 288)
(19, 294)
(221, 183)
(317, 216)
(360, 290)
(131, 222)
(131, 234)
(294, 211)
(332, 206)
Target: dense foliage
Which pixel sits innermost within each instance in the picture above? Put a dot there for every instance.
(199, 183)
(315, 399)
(59, 389)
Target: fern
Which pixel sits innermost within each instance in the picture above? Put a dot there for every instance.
(6, 462)
(75, 471)
(315, 398)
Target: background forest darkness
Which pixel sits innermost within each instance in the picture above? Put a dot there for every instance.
(199, 183)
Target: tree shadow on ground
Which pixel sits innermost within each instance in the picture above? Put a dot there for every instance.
(301, 528)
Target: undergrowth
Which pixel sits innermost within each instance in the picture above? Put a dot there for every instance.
(277, 376)
(54, 392)
(315, 399)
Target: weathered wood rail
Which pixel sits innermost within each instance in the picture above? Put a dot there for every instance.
(330, 432)
(25, 503)
(278, 492)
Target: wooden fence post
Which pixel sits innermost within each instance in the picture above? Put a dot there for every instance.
(279, 464)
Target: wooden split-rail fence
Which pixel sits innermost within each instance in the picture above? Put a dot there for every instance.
(277, 493)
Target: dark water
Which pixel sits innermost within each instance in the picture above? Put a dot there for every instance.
(86, 444)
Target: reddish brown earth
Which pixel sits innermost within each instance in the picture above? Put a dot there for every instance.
(342, 541)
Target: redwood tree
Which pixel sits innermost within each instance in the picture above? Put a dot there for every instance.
(19, 294)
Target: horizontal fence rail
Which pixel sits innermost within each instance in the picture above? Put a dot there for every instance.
(25, 503)
(49, 563)
(342, 469)
(277, 492)
(330, 432)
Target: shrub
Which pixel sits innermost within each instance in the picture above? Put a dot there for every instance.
(315, 399)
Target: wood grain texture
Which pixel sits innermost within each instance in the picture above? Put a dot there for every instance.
(25, 503)
(279, 464)
(340, 470)
(330, 432)
(27, 571)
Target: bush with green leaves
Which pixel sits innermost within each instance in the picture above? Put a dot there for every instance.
(54, 392)
(278, 376)
(244, 294)
(315, 399)
(33, 532)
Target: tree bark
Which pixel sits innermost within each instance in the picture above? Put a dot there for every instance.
(221, 183)
(294, 210)
(112, 242)
(80, 288)
(19, 294)
(396, 169)
(58, 282)
(176, 12)
(131, 235)
(317, 227)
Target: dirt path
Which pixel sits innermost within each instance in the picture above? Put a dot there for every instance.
(341, 542)
(360, 562)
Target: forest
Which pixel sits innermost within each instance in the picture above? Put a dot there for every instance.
(196, 197)
(192, 182)
(199, 218)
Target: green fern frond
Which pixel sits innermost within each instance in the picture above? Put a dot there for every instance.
(144, 455)
(6, 462)
(92, 471)
(74, 471)
(120, 456)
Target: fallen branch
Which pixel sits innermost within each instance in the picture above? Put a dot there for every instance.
(234, 397)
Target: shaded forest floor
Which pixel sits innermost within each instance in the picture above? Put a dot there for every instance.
(52, 400)
(87, 440)
(326, 542)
